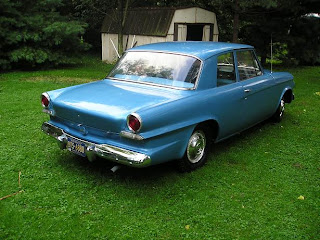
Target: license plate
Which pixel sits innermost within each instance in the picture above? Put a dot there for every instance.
(76, 146)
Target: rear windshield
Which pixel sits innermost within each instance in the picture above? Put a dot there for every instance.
(158, 68)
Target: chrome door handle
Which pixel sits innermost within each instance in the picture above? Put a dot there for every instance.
(247, 90)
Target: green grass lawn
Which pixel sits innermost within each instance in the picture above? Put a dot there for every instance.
(249, 188)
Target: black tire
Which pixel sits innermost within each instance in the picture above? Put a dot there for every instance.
(196, 153)
(278, 115)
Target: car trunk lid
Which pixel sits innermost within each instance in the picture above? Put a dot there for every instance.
(106, 104)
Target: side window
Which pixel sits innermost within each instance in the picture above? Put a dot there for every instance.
(248, 66)
(225, 69)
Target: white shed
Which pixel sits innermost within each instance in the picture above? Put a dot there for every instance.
(151, 25)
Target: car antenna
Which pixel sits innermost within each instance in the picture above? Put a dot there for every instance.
(115, 48)
(271, 57)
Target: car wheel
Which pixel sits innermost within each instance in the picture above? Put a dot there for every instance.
(277, 117)
(196, 153)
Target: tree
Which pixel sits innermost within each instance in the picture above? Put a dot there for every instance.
(94, 11)
(304, 41)
(34, 33)
(122, 15)
(289, 27)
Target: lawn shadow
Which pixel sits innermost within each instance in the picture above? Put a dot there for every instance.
(101, 168)
(235, 139)
(242, 139)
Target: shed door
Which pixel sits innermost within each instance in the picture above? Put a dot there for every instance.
(193, 32)
(206, 33)
(182, 32)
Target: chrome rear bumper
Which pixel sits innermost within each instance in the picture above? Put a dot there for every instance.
(116, 154)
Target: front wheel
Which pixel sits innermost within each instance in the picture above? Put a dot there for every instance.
(196, 153)
(278, 115)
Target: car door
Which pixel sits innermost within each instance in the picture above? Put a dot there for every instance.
(256, 87)
(227, 103)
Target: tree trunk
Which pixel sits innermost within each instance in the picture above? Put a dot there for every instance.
(122, 16)
(120, 22)
(235, 21)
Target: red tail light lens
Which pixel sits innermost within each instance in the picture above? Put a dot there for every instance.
(45, 100)
(134, 122)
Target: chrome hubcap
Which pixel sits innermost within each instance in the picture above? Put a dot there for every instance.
(196, 146)
(281, 107)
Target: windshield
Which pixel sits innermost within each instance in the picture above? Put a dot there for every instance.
(158, 68)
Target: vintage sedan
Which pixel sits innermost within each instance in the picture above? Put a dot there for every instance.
(167, 101)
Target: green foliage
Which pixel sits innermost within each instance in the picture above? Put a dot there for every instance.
(304, 40)
(34, 33)
(52, 32)
(286, 23)
(249, 189)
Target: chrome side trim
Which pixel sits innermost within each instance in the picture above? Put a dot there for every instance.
(147, 83)
(113, 153)
(131, 135)
(47, 111)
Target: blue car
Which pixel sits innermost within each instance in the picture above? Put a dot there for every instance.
(167, 101)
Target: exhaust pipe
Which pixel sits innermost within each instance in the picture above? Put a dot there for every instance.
(115, 168)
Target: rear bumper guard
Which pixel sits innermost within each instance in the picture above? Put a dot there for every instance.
(115, 154)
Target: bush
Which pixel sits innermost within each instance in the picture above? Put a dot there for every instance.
(35, 34)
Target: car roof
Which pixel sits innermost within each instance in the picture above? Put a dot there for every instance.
(202, 50)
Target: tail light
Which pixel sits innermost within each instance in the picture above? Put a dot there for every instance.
(45, 100)
(134, 122)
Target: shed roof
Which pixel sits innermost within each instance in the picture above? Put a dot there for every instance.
(141, 21)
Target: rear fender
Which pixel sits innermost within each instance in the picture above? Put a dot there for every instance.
(189, 124)
(182, 113)
(173, 141)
